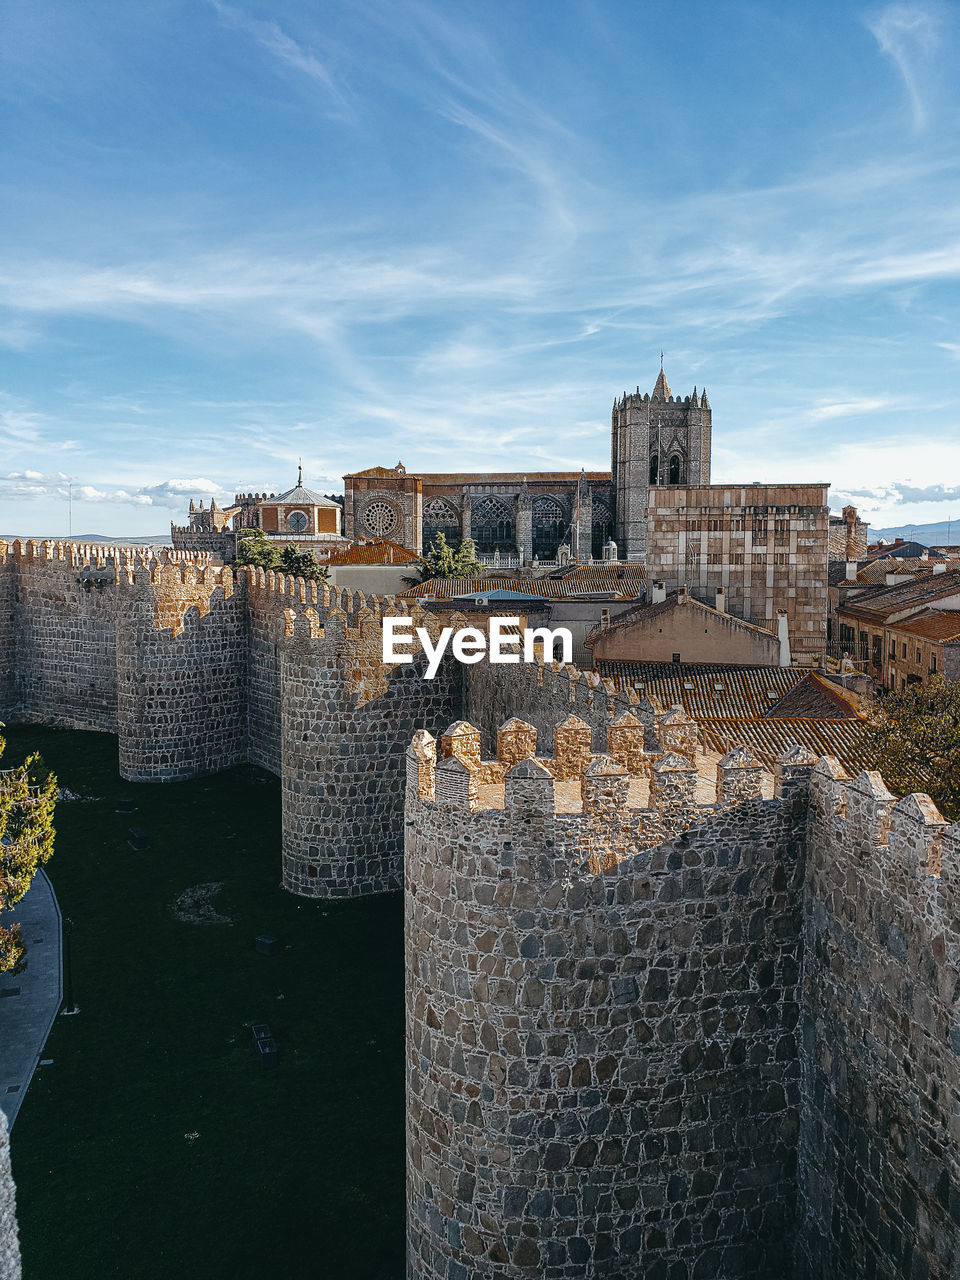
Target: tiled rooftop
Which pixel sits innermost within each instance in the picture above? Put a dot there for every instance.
(768, 739)
(706, 689)
(878, 603)
(768, 709)
(380, 551)
(934, 624)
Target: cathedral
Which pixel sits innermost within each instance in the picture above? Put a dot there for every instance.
(753, 550)
(656, 439)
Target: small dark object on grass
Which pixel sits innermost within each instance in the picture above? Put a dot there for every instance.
(265, 1046)
(267, 944)
(125, 805)
(269, 1057)
(139, 840)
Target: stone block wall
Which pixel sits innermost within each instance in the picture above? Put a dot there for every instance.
(346, 719)
(543, 694)
(181, 665)
(9, 1236)
(263, 672)
(602, 1005)
(59, 610)
(880, 1136)
(8, 630)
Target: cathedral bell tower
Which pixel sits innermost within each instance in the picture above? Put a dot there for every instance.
(654, 440)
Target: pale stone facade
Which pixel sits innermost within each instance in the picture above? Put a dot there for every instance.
(764, 545)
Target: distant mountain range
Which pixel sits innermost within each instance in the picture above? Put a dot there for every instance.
(946, 532)
(148, 540)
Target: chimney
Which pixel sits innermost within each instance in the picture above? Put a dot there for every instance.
(659, 592)
(783, 635)
(892, 579)
(681, 595)
(721, 600)
(851, 571)
(940, 567)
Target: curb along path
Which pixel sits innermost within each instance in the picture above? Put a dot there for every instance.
(29, 1001)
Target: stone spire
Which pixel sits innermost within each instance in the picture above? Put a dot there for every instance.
(662, 390)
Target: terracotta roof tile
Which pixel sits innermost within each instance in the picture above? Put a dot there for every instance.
(704, 689)
(768, 739)
(878, 603)
(382, 551)
(935, 624)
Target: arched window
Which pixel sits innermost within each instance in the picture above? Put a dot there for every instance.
(654, 470)
(549, 526)
(439, 516)
(492, 525)
(676, 469)
(601, 529)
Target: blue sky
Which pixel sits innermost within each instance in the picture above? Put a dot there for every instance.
(234, 234)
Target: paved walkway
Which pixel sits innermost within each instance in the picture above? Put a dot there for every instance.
(29, 1001)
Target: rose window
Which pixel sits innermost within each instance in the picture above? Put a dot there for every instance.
(297, 521)
(380, 518)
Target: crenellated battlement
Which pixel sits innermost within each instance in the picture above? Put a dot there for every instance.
(906, 848)
(608, 805)
(80, 555)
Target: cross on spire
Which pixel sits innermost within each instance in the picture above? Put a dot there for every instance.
(300, 473)
(661, 359)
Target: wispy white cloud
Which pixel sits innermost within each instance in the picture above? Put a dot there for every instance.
(908, 34)
(19, 425)
(271, 37)
(827, 409)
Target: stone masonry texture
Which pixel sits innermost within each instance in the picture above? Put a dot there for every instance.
(9, 1240)
(658, 1024)
(602, 1016)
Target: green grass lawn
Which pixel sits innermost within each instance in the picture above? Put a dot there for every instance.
(294, 1173)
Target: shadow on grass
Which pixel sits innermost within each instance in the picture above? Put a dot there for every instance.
(296, 1172)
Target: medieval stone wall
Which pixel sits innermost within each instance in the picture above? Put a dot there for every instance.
(9, 1237)
(182, 665)
(602, 1069)
(880, 1145)
(59, 611)
(263, 674)
(345, 725)
(8, 630)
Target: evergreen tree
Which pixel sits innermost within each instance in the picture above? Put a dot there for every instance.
(302, 564)
(914, 740)
(441, 561)
(27, 798)
(256, 549)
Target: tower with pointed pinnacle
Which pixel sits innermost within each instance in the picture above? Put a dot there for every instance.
(655, 440)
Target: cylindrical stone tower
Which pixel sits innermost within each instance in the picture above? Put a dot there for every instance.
(602, 1076)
